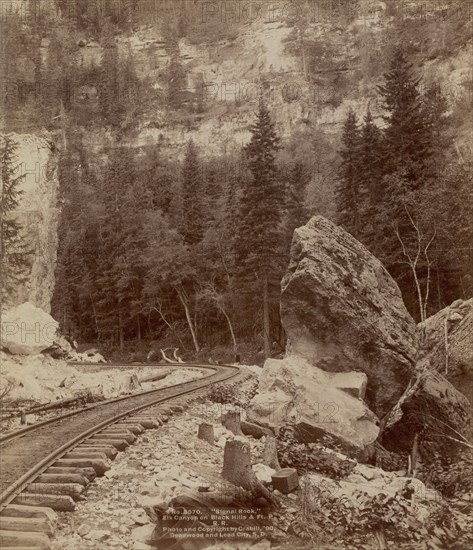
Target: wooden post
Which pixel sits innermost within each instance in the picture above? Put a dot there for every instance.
(206, 433)
(237, 470)
(270, 453)
(231, 421)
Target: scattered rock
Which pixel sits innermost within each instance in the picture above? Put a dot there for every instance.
(293, 391)
(368, 472)
(83, 529)
(139, 517)
(263, 472)
(137, 545)
(144, 533)
(97, 534)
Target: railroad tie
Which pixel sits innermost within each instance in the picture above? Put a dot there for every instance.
(114, 432)
(103, 439)
(74, 490)
(88, 473)
(63, 478)
(18, 540)
(135, 429)
(100, 466)
(32, 525)
(19, 511)
(146, 423)
(109, 451)
(60, 503)
(81, 454)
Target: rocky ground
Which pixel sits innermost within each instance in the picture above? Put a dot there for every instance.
(170, 469)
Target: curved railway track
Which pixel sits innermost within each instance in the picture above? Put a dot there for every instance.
(98, 366)
(48, 464)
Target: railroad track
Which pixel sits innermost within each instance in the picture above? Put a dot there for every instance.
(20, 411)
(46, 466)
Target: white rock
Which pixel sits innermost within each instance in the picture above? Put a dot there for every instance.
(83, 529)
(367, 472)
(137, 545)
(140, 517)
(221, 442)
(263, 472)
(143, 533)
(27, 330)
(98, 534)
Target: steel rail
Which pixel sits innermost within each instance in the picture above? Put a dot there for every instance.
(10, 492)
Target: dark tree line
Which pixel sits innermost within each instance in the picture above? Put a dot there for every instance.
(191, 250)
(403, 193)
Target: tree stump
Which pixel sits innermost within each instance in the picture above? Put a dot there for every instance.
(270, 453)
(231, 420)
(206, 433)
(237, 470)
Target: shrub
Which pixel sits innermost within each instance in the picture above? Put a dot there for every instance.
(312, 456)
(450, 476)
(356, 518)
(224, 393)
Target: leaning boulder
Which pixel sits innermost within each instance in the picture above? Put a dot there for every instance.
(342, 312)
(446, 345)
(293, 391)
(432, 410)
(27, 330)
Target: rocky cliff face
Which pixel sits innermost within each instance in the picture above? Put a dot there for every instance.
(38, 213)
(310, 79)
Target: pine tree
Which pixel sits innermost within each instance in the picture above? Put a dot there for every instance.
(192, 190)
(78, 268)
(113, 198)
(348, 191)
(406, 137)
(14, 253)
(296, 195)
(437, 129)
(158, 176)
(371, 174)
(12, 34)
(258, 243)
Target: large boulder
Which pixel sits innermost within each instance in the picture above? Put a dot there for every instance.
(450, 329)
(433, 410)
(27, 330)
(342, 312)
(317, 402)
